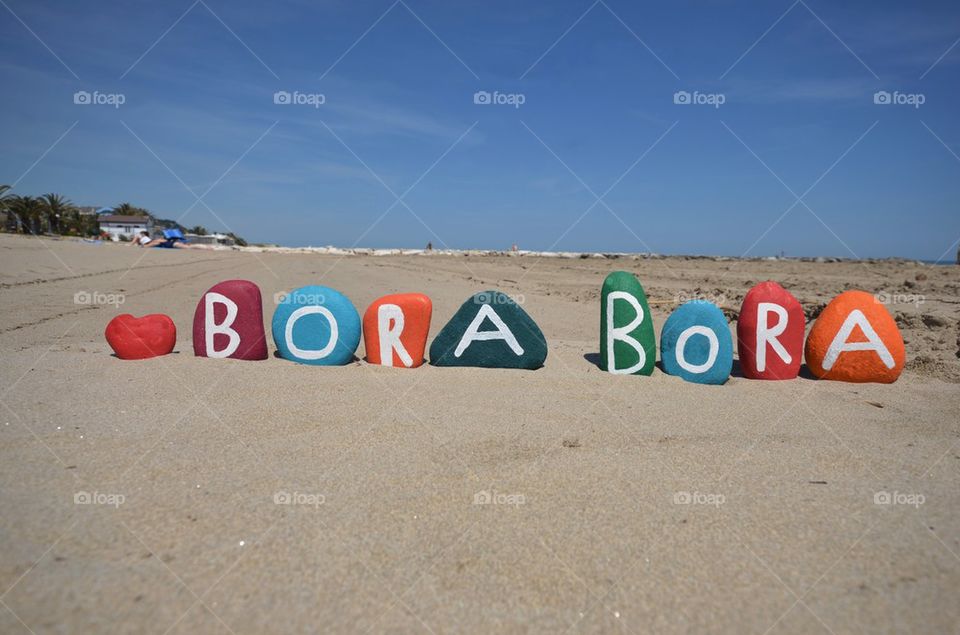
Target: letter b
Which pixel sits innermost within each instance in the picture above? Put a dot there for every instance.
(627, 341)
(228, 322)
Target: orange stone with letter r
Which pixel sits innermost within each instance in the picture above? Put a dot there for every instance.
(395, 329)
(856, 339)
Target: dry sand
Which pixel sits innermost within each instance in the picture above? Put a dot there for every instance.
(783, 534)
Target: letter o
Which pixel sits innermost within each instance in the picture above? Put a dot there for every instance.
(711, 356)
(308, 354)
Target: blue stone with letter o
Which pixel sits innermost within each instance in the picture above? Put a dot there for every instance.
(709, 332)
(316, 325)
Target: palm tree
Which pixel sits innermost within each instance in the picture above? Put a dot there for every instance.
(5, 201)
(199, 230)
(128, 209)
(57, 208)
(29, 212)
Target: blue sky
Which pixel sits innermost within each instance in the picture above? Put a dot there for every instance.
(598, 119)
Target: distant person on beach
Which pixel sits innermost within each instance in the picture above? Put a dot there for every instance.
(430, 246)
(174, 242)
(142, 239)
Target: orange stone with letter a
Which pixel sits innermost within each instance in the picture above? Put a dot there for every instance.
(395, 329)
(855, 339)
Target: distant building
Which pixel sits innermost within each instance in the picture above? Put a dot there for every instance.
(124, 226)
(211, 239)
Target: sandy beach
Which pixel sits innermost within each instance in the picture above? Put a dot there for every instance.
(190, 495)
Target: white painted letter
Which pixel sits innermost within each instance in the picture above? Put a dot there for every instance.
(210, 328)
(711, 356)
(840, 343)
(622, 333)
(311, 354)
(473, 334)
(391, 315)
(766, 335)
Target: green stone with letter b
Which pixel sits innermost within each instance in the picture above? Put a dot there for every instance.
(628, 344)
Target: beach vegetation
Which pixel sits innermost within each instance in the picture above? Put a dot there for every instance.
(54, 213)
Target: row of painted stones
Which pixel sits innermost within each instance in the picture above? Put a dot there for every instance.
(854, 339)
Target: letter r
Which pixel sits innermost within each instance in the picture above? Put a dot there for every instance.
(767, 335)
(389, 329)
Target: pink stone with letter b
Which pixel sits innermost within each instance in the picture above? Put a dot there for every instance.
(228, 322)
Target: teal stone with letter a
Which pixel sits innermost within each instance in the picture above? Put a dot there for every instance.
(490, 330)
(628, 344)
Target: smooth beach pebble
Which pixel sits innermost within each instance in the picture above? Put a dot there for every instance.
(628, 345)
(770, 333)
(395, 329)
(228, 322)
(856, 339)
(316, 325)
(490, 330)
(141, 338)
(695, 343)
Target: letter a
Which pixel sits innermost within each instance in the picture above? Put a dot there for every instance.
(473, 334)
(513, 339)
(840, 344)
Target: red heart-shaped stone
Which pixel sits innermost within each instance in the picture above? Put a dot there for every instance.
(140, 338)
